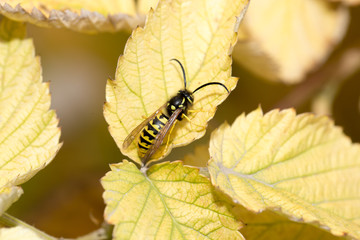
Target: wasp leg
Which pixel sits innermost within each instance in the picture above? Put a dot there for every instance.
(196, 110)
(187, 118)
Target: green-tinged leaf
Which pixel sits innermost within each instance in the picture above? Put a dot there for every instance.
(29, 136)
(170, 202)
(302, 166)
(270, 225)
(79, 15)
(8, 196)
(284, 40)
(19, 232)
(198, 34)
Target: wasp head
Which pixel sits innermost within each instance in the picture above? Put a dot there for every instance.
(183, 99)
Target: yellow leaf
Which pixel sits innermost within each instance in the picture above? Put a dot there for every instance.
(144, 6)
(170, 201)
(283, 40)
(198, 34)
(29, 136)
(19, 232)
(301, 166)
(270, 225)
(8, 196)
(79, 15)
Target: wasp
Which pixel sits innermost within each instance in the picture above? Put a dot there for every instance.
(154, 128)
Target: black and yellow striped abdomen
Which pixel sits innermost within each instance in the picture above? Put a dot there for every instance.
(148, 134)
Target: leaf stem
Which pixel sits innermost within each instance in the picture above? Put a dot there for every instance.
(10, 221)
(340, 66)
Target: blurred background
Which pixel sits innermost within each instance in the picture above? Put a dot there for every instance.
(68, 193)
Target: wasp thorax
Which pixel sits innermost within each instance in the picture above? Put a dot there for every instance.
(182, 100)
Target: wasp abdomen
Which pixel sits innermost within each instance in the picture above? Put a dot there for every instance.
(149, 133)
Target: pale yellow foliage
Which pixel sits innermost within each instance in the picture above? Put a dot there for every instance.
(19, 232)
(198, 34)
(104, 7)
(29, 136)
(143, 6)
(170, 201)
(302, 166)
(283, 40)
(79, 15)
(8, 196)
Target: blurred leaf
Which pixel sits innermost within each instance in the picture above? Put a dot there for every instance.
(338, 69)
(349, 2)
(19, 232)
(301, 166)
(198, 34)
(144, 6)
(283, 40)
(29, 136)
(8, 196)
(79, 15)
(170, 201)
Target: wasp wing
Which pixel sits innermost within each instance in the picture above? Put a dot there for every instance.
(131, 137)
(161, 135)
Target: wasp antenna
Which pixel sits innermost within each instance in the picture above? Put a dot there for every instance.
(182, 68)
(211, 83)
